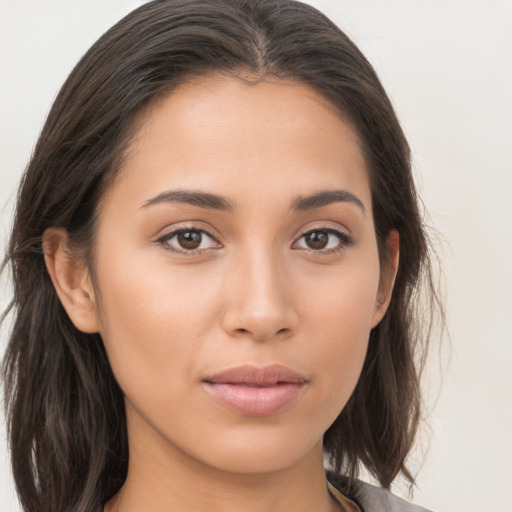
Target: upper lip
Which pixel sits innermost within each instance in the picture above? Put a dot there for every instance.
(257, 376)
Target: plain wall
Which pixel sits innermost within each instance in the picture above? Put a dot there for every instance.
(447, 65)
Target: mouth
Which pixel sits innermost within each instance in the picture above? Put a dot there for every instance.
(253, 391)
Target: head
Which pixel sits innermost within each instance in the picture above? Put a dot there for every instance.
(65, 404)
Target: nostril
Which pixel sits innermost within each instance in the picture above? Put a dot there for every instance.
(280, 332)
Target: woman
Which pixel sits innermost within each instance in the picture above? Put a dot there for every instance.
(216, 255)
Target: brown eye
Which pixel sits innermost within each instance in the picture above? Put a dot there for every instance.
(324, 241)
(189, 239)
(317, 239)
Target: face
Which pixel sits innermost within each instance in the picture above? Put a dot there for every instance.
(237, 275)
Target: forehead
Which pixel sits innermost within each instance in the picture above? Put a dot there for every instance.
(223, 133)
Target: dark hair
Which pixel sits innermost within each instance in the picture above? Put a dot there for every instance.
(65, 411)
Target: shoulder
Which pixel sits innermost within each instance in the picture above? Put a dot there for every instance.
(371, 498)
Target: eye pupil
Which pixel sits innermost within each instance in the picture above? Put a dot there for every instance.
(189, 239)
(317, 239)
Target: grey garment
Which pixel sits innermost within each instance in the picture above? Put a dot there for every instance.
(370, 498)
(381, 500)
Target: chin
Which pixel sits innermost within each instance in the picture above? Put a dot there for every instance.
(260, 452)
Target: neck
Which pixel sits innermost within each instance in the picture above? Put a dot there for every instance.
(160, 481)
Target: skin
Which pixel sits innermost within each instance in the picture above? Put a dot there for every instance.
(256, 292)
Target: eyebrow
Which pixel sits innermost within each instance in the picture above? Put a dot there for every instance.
(325, 198)
(194, 198)
(216, 202)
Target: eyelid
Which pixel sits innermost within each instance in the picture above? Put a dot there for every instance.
(345, 238)
(173, 231)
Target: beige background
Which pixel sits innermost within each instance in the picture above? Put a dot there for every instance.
(447, 66)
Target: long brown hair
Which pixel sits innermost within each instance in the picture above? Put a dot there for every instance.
(65, 411)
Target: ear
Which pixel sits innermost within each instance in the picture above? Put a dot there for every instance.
(388, 272)
(71, 279)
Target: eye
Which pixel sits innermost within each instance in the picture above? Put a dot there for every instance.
(188, 240)
(324, 239)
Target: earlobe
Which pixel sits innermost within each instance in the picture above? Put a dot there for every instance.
(387, 276)
(71, 279)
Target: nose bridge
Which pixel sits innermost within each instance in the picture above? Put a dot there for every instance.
(259, 302)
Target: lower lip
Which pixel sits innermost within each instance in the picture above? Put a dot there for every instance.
(252, 400)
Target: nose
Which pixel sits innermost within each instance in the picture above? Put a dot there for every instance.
(259, 297)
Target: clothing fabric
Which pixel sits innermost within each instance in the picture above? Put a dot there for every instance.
(367, 497)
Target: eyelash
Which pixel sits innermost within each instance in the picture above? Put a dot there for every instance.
(165, 239)
(345, 240)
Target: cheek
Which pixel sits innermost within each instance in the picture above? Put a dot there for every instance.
(337, 321)
(155, 319)
(341, 301)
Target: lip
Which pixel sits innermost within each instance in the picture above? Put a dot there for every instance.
(253, 391)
